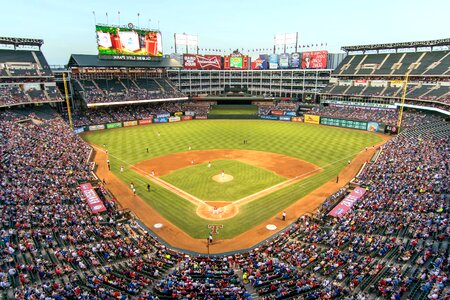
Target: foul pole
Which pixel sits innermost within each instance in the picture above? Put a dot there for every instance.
(400, 115)
(69, 112)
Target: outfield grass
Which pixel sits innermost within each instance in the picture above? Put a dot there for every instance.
(233, 110)
(197, 180)
(326, 147)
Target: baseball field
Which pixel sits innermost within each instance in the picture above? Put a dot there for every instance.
(234, 173)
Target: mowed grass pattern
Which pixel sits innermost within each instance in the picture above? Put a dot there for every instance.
(326, 147)
(197, 180)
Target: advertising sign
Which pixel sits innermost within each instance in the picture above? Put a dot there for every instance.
(273, 61)
(391, 129)
(312, 119)
(372, 126)
(174, 119)
(78, 130)
(178, 113)
(204, 62)
(346, 204)
(284, 61)
(344, 123)
(146, 121)
(314, 60)
(92, 198)
(189, 113)
(201, 117)
(296, 119)
(295, 60)
(96, 127)
(277, 112)
(285, 118)
(130, 123)
(260, 62)
(112, 40)
(290, 113)
(160, 120)
(114, 125)
(269, 117)
(166, 115)
(186, 118)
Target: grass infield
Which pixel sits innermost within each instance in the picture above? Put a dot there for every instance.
(197, 180)
(326, 147)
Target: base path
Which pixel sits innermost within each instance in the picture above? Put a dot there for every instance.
(176, 237)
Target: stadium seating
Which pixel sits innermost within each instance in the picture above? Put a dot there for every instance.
(125, 89)
(392, 244)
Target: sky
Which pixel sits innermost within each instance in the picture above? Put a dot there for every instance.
(68, 27)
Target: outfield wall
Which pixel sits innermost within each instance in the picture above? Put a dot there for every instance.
(287, 116)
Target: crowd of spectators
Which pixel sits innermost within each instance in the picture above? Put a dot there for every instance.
(116, 91)
(110, 114)
(386, 116)
(14, 95)
(393, 244)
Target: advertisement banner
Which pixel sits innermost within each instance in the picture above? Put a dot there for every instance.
(189, 113)
(361, 125)
(114, 125)
(146, 121)
(284, 61)
(346, 204)
(277, 112)
(269, 117)
(78, 130)
(201, 117)
(92, 198)
(166, 115)
(130, 123)
(285, 118)
(295, 60)
(96, 127)
(260, 62)
(203, 62)
(123, 41)
(174, 119)
(186, 118)
(296, 119)
(391, 129)
(273, 61)
(372, 126)
(314, 60)
(290, 113)
(312, 119)
(178, 113)
(160, 120)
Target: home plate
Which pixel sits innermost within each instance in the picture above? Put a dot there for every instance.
(271, 227)
(158, 225)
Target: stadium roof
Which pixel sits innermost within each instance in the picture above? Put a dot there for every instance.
(21, 41)
(432, 43)
(87, 60)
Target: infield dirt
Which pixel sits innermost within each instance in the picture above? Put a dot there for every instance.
(179, 239)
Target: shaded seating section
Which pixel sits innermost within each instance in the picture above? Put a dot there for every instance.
(125, 89)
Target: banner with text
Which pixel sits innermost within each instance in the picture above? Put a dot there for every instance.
(92, 198)
(312, 119)
(314, 60)
(346, 204)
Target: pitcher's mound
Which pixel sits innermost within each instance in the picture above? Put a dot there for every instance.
(222, 179)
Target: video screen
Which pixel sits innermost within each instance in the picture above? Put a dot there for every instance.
(128, 41)
(236, 62)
